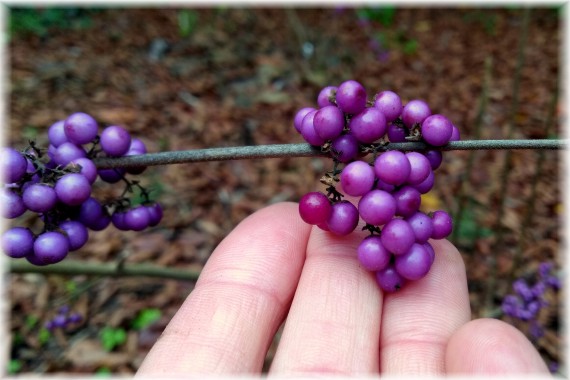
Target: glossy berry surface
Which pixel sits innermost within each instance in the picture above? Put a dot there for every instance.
(357, 178)
(343, 218)
(314, 208)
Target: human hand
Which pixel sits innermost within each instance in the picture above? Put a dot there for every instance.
(274, 266)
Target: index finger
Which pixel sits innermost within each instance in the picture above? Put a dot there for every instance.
(419, 319)
(244, 292)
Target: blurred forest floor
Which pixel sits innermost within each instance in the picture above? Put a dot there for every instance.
(199, 78)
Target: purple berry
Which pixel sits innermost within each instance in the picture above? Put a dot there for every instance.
(155, 214)
(455, 136)
(101, 223)
(427, 184)
(372, 254)
(414, 264)
(442, 225)
(299, 116)
(73, 189)
(351, 97)
(368, 126)
(138, 145)
(115, 141)
(408, 201)
(430, 250)
(389, 103)
(80, 128)
(381, 185)
(118, 220)
(17, 242)
(377, 207)
(415, 112)
(328, 122)
(315, 208)
(436, 130)
(396, 133)
(137, 218)
(389, 280)
(397, 236)
(111, 175)
(90, 211)
(51, 247)
(324, 98)
(343, 218)
(13, 165)
(67, 152)
(39, 197)
(357, 178)
(88, 168)
(422, 226)
(56, 134)
(308, 130)
(419, 168)
(434, 157)
(76, 232)
(392, 167)
(344, 148)
(12, 204)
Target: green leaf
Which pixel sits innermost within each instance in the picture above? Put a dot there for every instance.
(410, 47)
(14, 366)
(469, 228)
(187, 20)
(111, 338)
(70, 286)
(43, 336)
(31, 321)
(145, 318)
(103, 372)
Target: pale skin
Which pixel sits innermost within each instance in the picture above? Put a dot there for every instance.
(274, 266)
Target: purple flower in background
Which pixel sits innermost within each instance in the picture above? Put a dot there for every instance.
(544, 269)
(521, 288)
(63, 318)
(529, 299)
(536, 331)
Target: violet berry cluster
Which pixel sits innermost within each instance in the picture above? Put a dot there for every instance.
(390, 185)
(56, 183)
(529, 299)
(63, 319)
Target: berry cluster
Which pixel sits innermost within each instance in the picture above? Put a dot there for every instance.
(57, 185)
(390, 186)
(527, 302)
(63, 319)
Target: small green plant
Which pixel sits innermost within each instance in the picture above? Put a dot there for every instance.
(383, 15)
(44, 336)
(103, 372)
(111, 338)
(145, 318)
(487, 20)
(187, 21)
(14, 366)
(39, 21)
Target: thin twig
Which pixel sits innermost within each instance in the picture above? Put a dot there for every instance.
(305, 150)
(76, 267)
